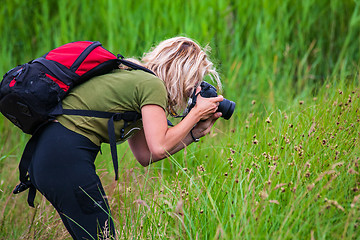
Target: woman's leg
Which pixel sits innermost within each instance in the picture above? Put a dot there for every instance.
(63, 170)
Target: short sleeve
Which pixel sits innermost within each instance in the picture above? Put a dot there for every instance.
(151, 91)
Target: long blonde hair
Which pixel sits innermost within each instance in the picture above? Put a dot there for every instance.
(182, 64)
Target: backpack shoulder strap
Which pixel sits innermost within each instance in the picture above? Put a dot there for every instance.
(24, 164)
(130, 116)
(133, 65)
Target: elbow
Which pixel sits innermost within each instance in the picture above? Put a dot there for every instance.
(157, 154)
(144, 163)
(143, 160)
(152, 156)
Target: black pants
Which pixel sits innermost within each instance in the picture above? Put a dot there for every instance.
(63, 170)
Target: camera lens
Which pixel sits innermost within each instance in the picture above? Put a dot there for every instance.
(226, 107)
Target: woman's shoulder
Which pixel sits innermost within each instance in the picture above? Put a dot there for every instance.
(144, 79)
(135, 76)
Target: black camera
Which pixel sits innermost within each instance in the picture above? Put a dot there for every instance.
(226, 107)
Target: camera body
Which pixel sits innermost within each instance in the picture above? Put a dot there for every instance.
(226, 107)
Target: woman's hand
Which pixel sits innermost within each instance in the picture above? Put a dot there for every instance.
(206, 107)
(202, 128)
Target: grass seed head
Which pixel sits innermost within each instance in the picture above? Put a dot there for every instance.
(280, 185)
(201, 168)
(274, 201)
(356, 199)
(310, 186)
(352, 171)
(263, 194)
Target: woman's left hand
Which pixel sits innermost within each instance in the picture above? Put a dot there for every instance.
(203, 127)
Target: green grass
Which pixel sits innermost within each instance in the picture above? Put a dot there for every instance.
(285, 166)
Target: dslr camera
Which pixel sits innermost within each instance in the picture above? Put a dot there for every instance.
(226, 107)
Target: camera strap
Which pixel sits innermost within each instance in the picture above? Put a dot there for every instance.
(191, 104)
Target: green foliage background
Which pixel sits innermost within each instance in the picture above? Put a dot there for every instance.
(272, 54)
(260, 46)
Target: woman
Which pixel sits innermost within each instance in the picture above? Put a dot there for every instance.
(62, 166)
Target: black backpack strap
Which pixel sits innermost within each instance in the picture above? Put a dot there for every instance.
(87, 113)
(25, 161)
(133, 65)
(128, 117)
(56, 69)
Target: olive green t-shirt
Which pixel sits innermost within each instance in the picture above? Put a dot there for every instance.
(118, 91)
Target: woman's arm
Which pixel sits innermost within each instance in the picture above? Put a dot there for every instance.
(140, 149)
(156, 141)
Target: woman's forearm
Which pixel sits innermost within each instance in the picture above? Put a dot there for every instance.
(181, 145)
(143, 154)
(160, 139)
(179, 136)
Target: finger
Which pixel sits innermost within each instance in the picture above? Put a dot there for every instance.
(217, 115)
(209, 122)
(214, 110)
(198, 89)
(217, 99)
(213, 117)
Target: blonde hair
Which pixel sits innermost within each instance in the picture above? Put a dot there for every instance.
(182, 64)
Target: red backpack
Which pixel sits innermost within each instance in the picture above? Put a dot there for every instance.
(31, 94)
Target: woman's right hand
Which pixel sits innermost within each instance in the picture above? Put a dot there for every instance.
(206, 107)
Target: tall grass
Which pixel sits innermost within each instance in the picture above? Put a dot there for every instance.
(286, 165)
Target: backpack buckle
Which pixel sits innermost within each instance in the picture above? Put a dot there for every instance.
(22, 186)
